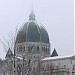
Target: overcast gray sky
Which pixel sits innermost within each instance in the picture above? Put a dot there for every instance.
(57, 16)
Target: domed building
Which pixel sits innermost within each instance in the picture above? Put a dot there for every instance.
(32, 34)
(32, 53)
(32, 44)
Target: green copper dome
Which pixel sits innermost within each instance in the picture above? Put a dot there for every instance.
(32, 32)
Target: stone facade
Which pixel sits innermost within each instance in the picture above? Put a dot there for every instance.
(60, 65)
(29, 55)
(32, 53)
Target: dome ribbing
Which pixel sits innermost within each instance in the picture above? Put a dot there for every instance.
(32, 32)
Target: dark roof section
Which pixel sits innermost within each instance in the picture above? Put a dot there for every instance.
(9, 53)
(32, 31)
(54, 53)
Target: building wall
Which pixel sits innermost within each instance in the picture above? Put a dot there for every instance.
(60, 66)
(22, 50)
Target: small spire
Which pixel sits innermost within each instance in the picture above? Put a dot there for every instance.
(54, 53)
(32, 16)
(9, 53)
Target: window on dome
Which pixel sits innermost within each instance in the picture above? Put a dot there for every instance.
(38, 48)
(47, 50)
(44, 49)
(29, 48)
(17, 49)
(24, 48)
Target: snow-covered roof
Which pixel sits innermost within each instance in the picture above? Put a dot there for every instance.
(20, 58)
(58, 57)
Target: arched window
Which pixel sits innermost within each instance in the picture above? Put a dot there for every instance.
(24, 48)
(29, 48)
(17, 49)
(44, 49)
(38, 48)
(48, 50)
